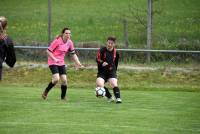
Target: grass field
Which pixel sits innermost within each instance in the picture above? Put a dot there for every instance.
(152, 103)
(161, 101)
(142, 112)
(164, 78)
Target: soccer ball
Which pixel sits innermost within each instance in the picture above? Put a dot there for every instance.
(100, 92)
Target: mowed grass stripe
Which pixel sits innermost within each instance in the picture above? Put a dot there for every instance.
(86, 125)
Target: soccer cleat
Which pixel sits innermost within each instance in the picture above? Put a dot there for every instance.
(44, 95)
(118, 100)
(111, 99)
(64, 99)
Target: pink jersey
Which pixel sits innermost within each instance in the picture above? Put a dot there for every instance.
(59, 50)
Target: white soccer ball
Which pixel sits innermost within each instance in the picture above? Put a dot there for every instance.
(100, 92)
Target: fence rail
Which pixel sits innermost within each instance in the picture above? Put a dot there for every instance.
(126, 50)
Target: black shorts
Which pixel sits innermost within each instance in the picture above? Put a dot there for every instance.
(57, 69)
(107, 76)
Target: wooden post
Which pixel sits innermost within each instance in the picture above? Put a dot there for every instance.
(149, 29)
(49, 22)
(126, 33)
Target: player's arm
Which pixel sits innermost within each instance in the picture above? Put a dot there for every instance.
(76, 59)
(10, 52)
(99, 58)
(52, 48)
(50, 54)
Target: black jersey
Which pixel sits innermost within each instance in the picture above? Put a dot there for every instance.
(2, 52)
(111, 57)
(7, 52)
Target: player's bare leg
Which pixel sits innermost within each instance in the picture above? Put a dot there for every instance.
(55, 79)
(100, 82)
(113, 83)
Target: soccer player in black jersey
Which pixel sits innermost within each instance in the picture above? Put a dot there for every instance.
(107, 62)
(7, 51)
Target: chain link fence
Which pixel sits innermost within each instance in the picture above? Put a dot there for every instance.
(127, 56)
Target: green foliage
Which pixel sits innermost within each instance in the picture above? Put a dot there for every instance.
(178, 24)
(174, 22)
(165, 77)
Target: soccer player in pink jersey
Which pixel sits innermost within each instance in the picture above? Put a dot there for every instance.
(57, 50)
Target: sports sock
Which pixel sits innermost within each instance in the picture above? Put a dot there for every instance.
(63, 91)
(49, 87)
(0, 73)
(108, 95)
(116, 92)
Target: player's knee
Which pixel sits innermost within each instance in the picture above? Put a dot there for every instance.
(114, 84)
(100, 84)
(55, 80)
(64, 82)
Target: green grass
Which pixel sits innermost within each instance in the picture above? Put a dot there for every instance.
(162, 78)
(176, 23)
(162, 101)
(142, 112)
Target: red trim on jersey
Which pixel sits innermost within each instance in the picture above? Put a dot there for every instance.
(99, 56)
(104, 55)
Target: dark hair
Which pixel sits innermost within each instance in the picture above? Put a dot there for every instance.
(66, 28)
(62, 32)
(111, 38)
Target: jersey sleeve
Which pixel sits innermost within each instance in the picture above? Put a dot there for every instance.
(99, 57)
(53, 45)
(10, 53)
(9, 41)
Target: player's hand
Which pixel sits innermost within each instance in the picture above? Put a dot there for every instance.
(104, 64)
(80, 67)
(56, 60)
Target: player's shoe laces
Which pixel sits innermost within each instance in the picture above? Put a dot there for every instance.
(44, 95)
(111, 99)
(118, 100)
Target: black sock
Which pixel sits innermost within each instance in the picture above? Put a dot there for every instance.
(49, 87)
(0, 73)
(116, 92)
(63, 91)
(108, 95)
